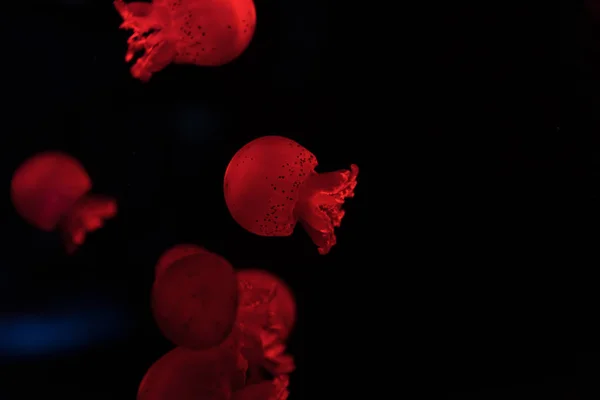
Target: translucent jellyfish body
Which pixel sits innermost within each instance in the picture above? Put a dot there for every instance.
(52, 191)
(184, 374)
(174, 254)
(267, 311)
(271, 183)
(195, 300)
(200, 32)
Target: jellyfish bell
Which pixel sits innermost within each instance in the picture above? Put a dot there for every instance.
(174, 254)
(186, 374)
(203, 33)
(195, 300)
(270, 184)
(267, 311)
(52, 191)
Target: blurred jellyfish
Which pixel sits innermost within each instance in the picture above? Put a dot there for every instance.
(52, 190)
(204, 33)
(185, 374)
(267, 311)
(195, 300)
(271, 183)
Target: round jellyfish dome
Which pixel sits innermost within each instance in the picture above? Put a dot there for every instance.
(270, 184)
(46, 186)
(195, 300)
(186, 374)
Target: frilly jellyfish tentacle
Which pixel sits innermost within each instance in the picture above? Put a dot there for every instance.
(87, 215)
(266, 314)
(156, 58)
(319, 208)
(150, 32)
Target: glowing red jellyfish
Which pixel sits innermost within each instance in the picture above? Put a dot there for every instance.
(195, 300)
(184, 374)
(200, 32)
(51, 190)
(267, 310)
(271, 183)
(174, 254)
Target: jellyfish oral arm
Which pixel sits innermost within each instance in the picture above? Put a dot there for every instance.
(150, 36)
(319, 207)
(155, 59)
(87, 215)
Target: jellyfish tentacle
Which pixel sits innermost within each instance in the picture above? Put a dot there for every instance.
(86, 215)
(337, 183)
(156, 58)
(320, 205)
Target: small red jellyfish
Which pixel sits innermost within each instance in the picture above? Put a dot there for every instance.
(51, 190)
(185, 374)
(174, 254)
(200, 32)
(271, 183)
(267, 311)
(195, 300)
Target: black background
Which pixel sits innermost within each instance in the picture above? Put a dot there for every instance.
(465, 260)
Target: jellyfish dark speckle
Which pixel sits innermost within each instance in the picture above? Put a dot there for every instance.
(52, 191)
(204, 33)
(271, 183)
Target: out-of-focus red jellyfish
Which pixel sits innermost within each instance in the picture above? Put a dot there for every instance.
(185, 374)
(271, 183)
(195, 300)
(200, 32)
(267, 390)
(267, 311)
(51, 190)
(174, 254)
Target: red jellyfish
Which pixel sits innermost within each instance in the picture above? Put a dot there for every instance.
(200, 32)
(195, 300)
(174, 254)
(267, 310)
(52, 190)
(185, 374)
(271, 183)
